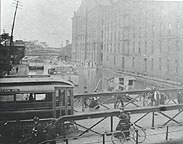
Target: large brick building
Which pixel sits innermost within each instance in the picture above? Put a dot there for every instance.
(142, 36)
(87, 31)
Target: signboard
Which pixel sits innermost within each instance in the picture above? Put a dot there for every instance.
(4, 90)
(28, 88)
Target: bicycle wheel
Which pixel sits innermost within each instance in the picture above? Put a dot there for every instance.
(118, 137)
(141, 135)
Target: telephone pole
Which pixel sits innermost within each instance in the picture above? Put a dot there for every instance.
(11, 38)
(12, 29)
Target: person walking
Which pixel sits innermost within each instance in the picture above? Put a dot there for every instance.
(119, 101)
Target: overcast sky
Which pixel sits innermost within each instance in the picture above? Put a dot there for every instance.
(43, 20)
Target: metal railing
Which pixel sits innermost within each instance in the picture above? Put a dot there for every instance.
(166, 132)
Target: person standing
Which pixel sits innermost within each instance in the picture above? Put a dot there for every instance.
(51, 132)
(179, 97)
(39, 130)
(162, 99)
(85, 99)
(152, 94)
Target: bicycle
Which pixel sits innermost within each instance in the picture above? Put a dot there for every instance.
(119, 136)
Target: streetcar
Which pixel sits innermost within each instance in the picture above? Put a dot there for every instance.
(23, 97)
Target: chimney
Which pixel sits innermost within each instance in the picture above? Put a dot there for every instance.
(67, 42)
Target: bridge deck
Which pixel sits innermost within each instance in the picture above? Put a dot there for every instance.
(154, 136)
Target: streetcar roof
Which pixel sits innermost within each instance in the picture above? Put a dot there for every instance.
(32, 84)
(35, 80)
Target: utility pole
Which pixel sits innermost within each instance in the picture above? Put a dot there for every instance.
(11, 37)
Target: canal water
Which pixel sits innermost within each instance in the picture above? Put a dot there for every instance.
(92, 78)
(98, 78)
(88, 77)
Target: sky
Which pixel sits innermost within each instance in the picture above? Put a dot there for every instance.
(43, 20)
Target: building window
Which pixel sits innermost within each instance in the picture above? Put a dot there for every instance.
(133, 47)
(133, 62)
(152, 48)
(107, 58)
(146, 31)
(139, 32)
(118, 35)
(139, 47)
(118, 47)
(145, 47)
(161, 29)
(114, 60)
(114, 47)
(128, 49)
(107, 48)
(168, 45)
(168, 65)
(152, 64)
(160, 46)
(160, 63)
(115, 36)
(176, 66)
(153, 30)
(145, 64)
(177, 45)
(123, 62)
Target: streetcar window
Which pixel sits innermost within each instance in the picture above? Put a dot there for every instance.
(60, 97)
(6, 98)
(69, 97)
(40, 97)
(22, 97)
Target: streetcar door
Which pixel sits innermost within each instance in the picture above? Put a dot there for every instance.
(64, 104)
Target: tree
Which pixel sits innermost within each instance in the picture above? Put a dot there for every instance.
(4, 37)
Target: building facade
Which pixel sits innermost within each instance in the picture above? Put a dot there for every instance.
(144, 37)
(87, 43)
(138, 36)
